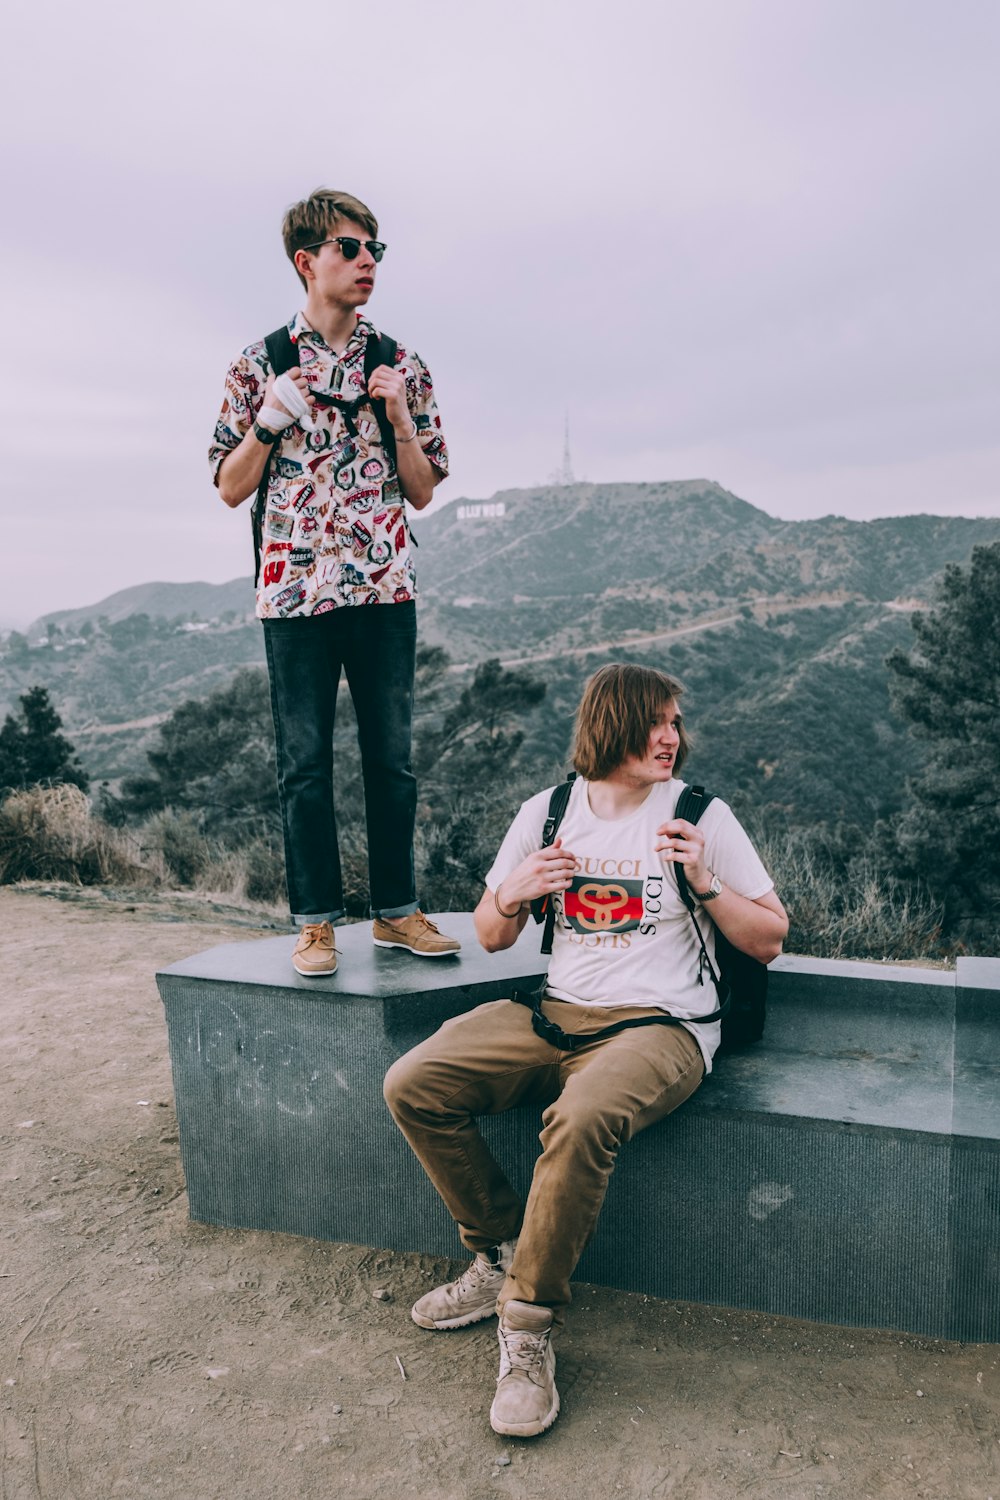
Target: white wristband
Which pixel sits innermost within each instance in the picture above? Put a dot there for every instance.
(288, 393)
(274, 418)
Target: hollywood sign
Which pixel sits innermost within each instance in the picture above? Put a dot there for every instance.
(480, 512)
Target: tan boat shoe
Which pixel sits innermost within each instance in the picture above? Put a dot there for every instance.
(417, 934)
(314, 952)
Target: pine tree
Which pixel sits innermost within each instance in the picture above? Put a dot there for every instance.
(948, 688)
(215, 756)
(33, 751)
(482, 733)
(469, 774)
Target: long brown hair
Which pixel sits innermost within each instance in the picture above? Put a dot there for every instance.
(619, 707)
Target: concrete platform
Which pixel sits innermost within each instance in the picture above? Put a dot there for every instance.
(847, 1169)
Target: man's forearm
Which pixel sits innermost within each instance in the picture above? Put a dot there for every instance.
(240, 471)
(417, 475)
(751, 926)
(495, 931)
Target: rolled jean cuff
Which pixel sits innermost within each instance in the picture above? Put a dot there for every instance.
(314, 921)
(397, 911)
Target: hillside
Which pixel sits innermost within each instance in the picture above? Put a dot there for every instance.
(561, 567)
(778, 628)
(167, 601)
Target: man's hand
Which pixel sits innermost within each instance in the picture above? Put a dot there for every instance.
(501, 914)
(683, 843)
(756, 926)
(542, 873)
(301, 385)
(390, 385)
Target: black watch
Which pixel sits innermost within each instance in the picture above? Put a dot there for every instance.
(265, 435)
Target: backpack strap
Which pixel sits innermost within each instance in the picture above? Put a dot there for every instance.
(543, 907)
(282, 355)
(381, 350)
(691, 803)
(568, 1041)
(282, 350)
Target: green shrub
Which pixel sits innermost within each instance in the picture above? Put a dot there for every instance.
(177, 836)
(265, 873)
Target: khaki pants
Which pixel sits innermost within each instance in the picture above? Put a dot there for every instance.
(490, 1059)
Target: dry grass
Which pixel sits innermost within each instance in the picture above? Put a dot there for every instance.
(251, 875)
(247, 878)
(866, 914)
(51, 833)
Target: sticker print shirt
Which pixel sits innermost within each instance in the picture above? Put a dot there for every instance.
(622, 934)
(335, 530)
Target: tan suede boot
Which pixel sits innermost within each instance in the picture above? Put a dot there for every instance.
(526, 1402)
(469, 1299)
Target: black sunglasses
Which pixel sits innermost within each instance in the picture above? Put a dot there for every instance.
(349, 246)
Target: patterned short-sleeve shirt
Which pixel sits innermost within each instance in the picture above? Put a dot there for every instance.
(334, 528)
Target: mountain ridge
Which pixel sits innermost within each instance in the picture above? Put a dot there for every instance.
(169, 601)
(717, 531)
(779, 631)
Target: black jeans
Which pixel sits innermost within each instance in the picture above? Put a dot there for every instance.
(376, 646)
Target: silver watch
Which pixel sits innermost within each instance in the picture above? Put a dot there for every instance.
(715, 889)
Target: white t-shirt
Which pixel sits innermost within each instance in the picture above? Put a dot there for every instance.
(622, 934)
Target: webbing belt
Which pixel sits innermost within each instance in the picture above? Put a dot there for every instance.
(567, 1041)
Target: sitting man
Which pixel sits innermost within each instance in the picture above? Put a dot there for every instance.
(624, 948)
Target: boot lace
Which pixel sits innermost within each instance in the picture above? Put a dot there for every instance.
(521, 1350)
(476, 1274)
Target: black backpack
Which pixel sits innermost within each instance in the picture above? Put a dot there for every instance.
(283, 356)
(740, 981)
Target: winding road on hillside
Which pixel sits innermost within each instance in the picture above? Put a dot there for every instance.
(763, 607)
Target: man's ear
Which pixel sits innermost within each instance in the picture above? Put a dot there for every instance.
(303, 264)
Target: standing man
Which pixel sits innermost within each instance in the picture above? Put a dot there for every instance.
(624, 950)
(343, 440)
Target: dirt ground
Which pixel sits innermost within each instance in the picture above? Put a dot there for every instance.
(143, 1355)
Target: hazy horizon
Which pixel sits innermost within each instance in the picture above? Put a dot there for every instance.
(572, 493)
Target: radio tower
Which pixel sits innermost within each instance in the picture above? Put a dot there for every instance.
(565, 475)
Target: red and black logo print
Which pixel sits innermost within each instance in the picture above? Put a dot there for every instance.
(603, 905)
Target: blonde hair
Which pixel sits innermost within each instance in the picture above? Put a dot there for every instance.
(619, 707)
(313, 219)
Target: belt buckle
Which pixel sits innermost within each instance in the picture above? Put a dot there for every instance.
(552, 1033)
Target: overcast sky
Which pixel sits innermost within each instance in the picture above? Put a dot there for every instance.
(753, 240)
